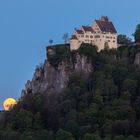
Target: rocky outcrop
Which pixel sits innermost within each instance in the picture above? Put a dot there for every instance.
(137, 59)
(48, 79)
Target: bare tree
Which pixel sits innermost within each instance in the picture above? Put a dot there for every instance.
(50, 41)
(65, 38)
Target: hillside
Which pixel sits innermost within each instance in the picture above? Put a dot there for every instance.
(79, 95)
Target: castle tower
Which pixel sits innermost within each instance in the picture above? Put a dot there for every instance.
(74, 43)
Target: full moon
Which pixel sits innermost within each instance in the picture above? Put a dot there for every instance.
(9, 103)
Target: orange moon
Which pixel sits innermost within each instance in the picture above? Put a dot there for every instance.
(9, 103)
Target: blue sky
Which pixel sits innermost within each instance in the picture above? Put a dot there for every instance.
(27, 25)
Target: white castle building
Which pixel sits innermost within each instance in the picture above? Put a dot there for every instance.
(100, 33)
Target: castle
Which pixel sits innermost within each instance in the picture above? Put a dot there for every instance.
(102, 33)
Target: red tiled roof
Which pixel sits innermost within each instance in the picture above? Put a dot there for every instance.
(73, 37)
(79, 31)
(106, 26)
(88, 28)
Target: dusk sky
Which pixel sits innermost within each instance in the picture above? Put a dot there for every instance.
(27, 25)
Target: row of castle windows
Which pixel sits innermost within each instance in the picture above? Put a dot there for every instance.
(87, 41)
(110, 37)
(112, 41)
(99, 40)
(92, 41)
(87, 36)
(97, 36)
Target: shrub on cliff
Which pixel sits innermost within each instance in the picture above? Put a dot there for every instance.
(137, 34)
(62, 53)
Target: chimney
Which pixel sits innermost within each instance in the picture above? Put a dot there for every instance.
(104, 18)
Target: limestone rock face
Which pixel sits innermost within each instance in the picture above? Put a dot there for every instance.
(48, 79)
(137, 59)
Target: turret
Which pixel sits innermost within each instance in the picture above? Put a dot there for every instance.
(104, 18)
(74, 43)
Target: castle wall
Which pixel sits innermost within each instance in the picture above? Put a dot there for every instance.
(74, 44)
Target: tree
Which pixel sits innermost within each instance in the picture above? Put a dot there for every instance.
(50, 41)
(23, 120)
(10, 135)
(130, 86)
(44, 135)
(64, 135)
(125, 112)
(91, 137)
(92, 114)
(72, 126)
(37, 121)
(65, 38)
(27, 136)
(123, 39)
(137, 34)
(131, 137)
(121, 127)
(106, 46)
(119, 137)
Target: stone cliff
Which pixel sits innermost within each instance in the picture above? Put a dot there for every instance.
(49, 79)
(137, 59)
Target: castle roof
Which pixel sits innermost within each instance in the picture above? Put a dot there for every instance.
(74, 37)
(87, 29)
(79, 31)
(105, 25)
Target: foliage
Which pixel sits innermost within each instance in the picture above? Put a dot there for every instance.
(63, 135)
(62, 53)
(123, 40)
(50, 41)
(65, 37)
(137, 34)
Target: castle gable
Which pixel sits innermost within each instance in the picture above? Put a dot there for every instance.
(88, 29)
(106, 26)
(79, 31)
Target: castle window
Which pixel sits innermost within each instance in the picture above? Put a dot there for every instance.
(87, 36)
(91, 36)
(82, 35)
(97, 36)
(108, 40)
(114, 41)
